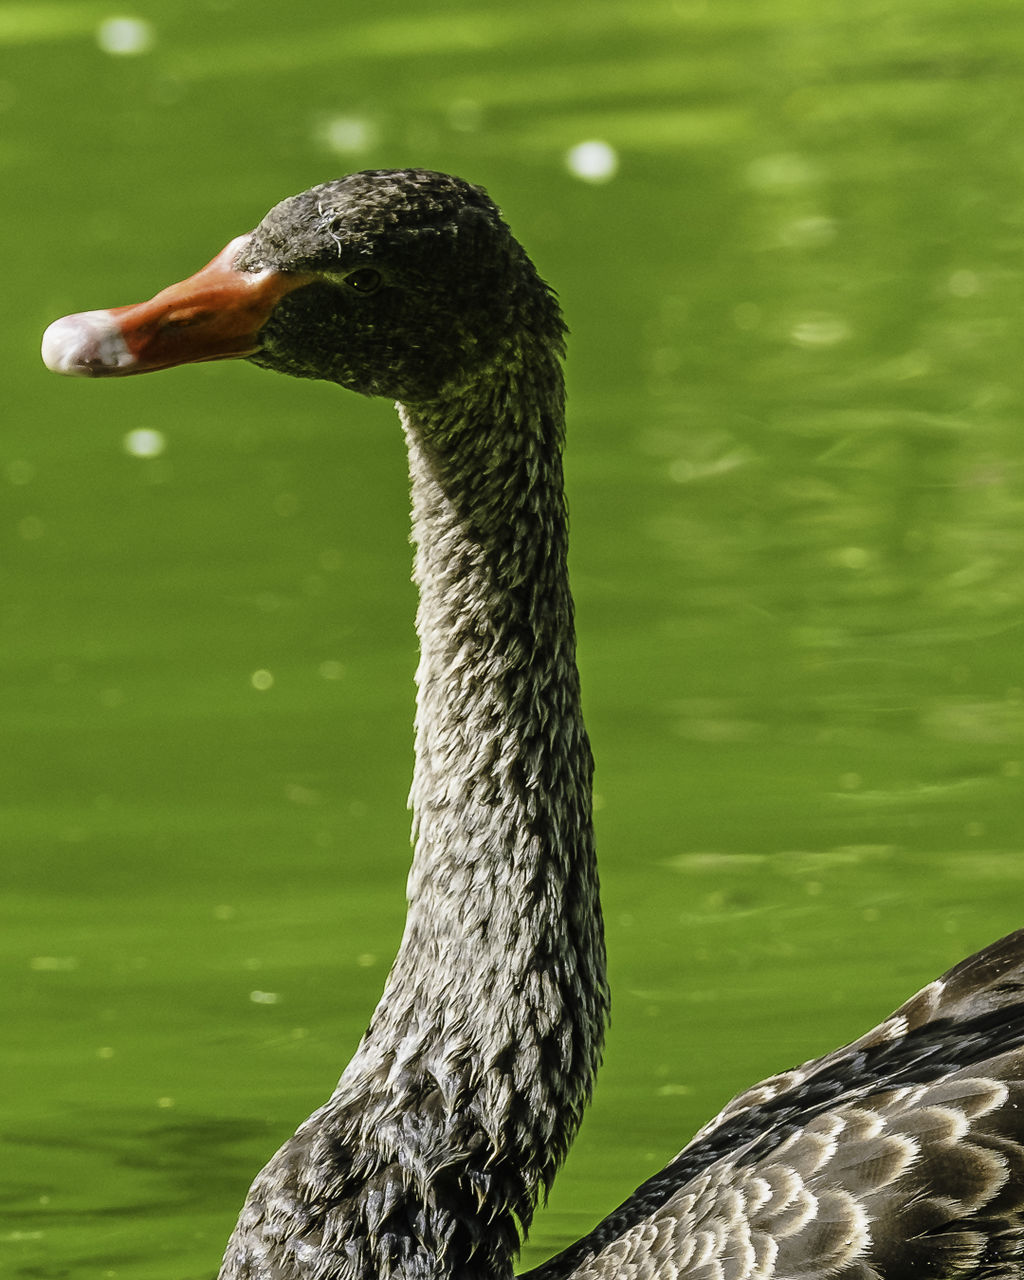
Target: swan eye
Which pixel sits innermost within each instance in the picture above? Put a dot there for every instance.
(365, 280)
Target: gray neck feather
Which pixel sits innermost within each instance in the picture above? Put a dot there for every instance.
(469, 1085)
(498, 991)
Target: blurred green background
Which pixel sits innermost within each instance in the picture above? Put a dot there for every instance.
(793, 276)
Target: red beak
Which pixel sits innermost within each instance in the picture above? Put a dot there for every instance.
(217, 314)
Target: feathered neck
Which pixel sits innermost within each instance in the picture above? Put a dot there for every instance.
(469, 1085)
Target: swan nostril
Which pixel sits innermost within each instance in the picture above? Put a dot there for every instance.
(185, 318)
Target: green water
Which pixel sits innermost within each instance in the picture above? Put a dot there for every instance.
(798, 515)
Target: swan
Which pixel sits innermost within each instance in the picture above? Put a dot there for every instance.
(899, 1155)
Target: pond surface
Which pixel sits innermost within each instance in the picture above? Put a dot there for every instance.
(797, 492)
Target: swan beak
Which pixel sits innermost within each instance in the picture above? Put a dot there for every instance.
(217, 314)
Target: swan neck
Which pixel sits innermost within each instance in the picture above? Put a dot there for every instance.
(469, 1085)
(498, 996)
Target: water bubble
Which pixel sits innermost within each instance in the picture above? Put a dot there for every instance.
(145, 442)
(851, 557)
(593, 161)
(347, 135)
(964, 283)
(298, 794)
(808, 233)
(820, 330)
(780, 172)
(125, 37)
(53, 964)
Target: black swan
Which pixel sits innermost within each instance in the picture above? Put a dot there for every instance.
(897, 1156)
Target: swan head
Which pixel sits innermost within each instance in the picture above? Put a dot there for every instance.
(402, 283)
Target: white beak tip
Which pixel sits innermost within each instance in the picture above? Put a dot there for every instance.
(86, 345)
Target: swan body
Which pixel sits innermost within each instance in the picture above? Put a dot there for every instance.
(897, 1156)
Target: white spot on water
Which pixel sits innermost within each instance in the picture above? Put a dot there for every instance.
(808, 233)
(262, 680)
(851, 557)
(780, 172)
(299, 794)
(53, 964)
(964, 283)
(264, 997)
(145, 442)
(124, 37)
(593, 161)
(347, 135)
(820, 331)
